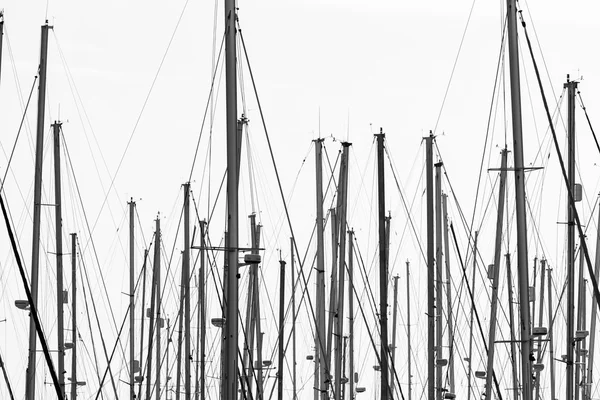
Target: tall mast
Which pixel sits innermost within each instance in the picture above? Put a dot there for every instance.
(580, 344)
(496, 275)
(351, 309)
(332, 292)
(448, 295)
(143, 312)
(439, 313)
(550, 334)
(37, 200)
(540, 322)
(470, 371)
(202, 312)
(521, 211)
(382, 270)
(281, 330)
(293, 318)
(320, 378)
(409, 350)
(159, 320)
(59, 262)
(256, 315)
(430, 270)
(186, 287)
(74, 316)
(248, 356)
(513, 341)
(394, 321)
(571, 89)
(231, 306)
(131, 300)
(593, 320)
(339, 328)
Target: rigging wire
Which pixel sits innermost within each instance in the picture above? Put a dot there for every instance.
(454, 66)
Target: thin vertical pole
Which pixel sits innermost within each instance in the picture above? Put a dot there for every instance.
(385, 370)
(59, 262)
(159, 321)
(186, 287)
(521, 211)
(430, 271)
(540, 322)
(231, 306)
(339, 327)
(351, 309)
(439, 308)
(143, 317)
(259, 371)
(131, 299)
(593, 319)
(394, 322)
(332, 292)
(470, 370)
(250, 320)
(580, 326)
(37, 202)
(74, 316)
(320, 378)
(281, 328)
(293, 319)
(551, 334)
(571, 89)
(180, 335)
(496, 276)
(513, 340)
(448, 295)
(202, 311)
(409, 350)
(583, 346)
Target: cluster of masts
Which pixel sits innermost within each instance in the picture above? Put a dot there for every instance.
(329, 372)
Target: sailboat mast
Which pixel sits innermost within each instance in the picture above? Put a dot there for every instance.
(448, 295)
(351, 309)
(571, 88)
(513, 341)
(430, 270)
(202, 312)
(594, 313)
(320, 378)
(59, 262)
(159, 320)
(408, 352)
(383, 274)
(496, 276)
(74, 317)
(293, 318)
(131, 300)
(540, 322)
(550, 334)
(439, 313)
(186, 286)
(470, 370)
(231, 306)
(394, 322)
(521, 211)
(37, 200)
(339, 326)
(281, 330)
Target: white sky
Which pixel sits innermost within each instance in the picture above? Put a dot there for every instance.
(334, 68)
